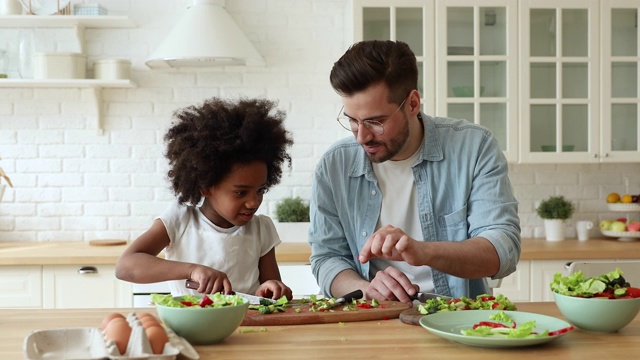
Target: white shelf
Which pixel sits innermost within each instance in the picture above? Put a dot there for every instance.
(65, 83)
(95, 85)
(61, 21)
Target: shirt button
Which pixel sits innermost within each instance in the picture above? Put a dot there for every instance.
(373, 192)
(364, 233)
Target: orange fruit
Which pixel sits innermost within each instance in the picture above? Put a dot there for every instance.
(626, 199)
(613, 198)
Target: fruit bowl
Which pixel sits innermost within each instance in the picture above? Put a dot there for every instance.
(624, 207)
(598, 314)
(622, 235)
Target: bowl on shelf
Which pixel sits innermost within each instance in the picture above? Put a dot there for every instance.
(597, 314)
(201, 326)
(549, 148)
(630, 207)
(465, 91)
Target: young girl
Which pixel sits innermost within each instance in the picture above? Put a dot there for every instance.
(223, 157)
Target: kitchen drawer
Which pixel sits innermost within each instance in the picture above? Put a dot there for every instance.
(21, 286)
(73, 286)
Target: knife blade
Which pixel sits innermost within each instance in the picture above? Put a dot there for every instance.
(357, 294)
(252, 299)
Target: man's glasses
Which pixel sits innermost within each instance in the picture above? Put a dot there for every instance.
(353, 125)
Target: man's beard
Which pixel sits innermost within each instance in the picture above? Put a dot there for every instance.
(394, 146)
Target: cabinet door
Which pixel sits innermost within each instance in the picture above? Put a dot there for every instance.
(411, 21)
(476, 66)
(517, 285)
(300, 279)
(542, 272)
(74, 286)
(620, 100)
(559, 81)
(20, 287)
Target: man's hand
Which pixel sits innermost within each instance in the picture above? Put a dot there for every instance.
(391, 284)
(391, 243)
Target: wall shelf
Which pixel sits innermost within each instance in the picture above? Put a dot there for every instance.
(61, 21)
(95, 85)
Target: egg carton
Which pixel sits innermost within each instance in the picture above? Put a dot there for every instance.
(89, 343)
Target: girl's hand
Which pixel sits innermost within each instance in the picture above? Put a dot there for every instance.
(210, 280)
(274, 289)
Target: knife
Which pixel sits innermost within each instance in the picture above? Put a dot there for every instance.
(252, 299)
(423, 297)
(345, 299)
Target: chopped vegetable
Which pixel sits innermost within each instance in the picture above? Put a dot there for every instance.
(504, 326)
(190, 301)
(611, 285)
(482, 302)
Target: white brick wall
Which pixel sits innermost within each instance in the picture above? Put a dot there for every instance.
(72, 184)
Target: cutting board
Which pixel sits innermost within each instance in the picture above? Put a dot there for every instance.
(411, 316)
(387, 310)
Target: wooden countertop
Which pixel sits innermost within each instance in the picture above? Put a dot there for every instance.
(386, 339)
(81, 253)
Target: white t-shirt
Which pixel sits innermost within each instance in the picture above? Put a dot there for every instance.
(234, 251)
(400, 209)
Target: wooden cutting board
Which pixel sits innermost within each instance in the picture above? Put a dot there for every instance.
(387, 310)
(411, 316)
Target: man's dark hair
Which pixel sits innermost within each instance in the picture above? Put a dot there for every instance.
(370, 62)
(208, 140)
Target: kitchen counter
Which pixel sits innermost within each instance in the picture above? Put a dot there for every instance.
(386, 339)
(81, 253)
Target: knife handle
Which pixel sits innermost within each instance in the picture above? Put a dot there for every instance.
(192, 284)
(357, 294)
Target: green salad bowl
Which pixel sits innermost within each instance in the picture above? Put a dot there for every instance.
(598, 314)
(203, 326)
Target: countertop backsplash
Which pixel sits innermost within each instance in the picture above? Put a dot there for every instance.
(72, 184)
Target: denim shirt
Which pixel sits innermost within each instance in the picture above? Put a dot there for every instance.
(463, 192)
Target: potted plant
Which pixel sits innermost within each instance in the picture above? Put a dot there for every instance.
(4, 177)
(292, 214)
(555, 210)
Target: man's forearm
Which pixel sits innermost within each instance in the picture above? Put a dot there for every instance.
(471, 259)
(347, 281)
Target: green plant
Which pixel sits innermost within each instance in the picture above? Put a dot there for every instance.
(556, 207)
(292, 210)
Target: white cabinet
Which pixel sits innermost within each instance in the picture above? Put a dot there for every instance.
(20, 286)
(300, 279)
(516, 286)
(76, 286)
(567, 48)
(556, 81)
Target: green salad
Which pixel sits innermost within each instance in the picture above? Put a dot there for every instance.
(216, 300)
(503, 326)
(481, 302)
(611, 285)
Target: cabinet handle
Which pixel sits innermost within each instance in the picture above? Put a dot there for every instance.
(595, 155)
(87, 270)
(605, 155)
(567, 265)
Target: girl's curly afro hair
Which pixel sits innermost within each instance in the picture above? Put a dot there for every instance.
(208, 140)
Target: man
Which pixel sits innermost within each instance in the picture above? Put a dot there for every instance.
(410, 202)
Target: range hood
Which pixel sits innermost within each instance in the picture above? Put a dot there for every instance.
(205, 36)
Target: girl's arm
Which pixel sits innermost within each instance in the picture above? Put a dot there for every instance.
(139, 262)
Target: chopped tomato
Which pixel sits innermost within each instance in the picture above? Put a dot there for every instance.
(633, 292)
(561, 331)
(205, 301)
(186, 303)
(490, 324)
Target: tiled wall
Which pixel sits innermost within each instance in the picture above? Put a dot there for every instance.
(73, 184)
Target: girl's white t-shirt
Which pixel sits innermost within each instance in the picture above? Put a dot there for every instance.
(235, 251)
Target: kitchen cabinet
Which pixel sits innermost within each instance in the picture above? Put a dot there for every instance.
(62, 286)
(300, 279)
(21, 286)
(79, 23)
(73, 286)
(467, 62)
(578, 61)
(554, 80)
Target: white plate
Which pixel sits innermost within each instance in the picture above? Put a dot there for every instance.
(44, 7)
(624, 207)
(448, 325)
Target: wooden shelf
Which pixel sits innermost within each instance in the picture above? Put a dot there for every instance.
(61, 21)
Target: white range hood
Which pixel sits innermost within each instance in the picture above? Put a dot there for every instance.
(205, 36)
